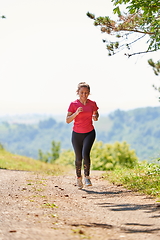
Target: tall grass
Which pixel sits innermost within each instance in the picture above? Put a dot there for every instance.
(16, 162)
(144, 178)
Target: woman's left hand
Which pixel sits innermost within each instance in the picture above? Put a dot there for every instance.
(95, 116)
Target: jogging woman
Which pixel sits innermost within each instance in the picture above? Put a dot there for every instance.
(82, 111)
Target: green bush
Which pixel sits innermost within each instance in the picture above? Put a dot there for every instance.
(50, 157)
(66, 157)
(104, 156)
(108, 156)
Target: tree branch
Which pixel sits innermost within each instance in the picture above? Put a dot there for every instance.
(137, 31)
(132, 42)
(129, 55)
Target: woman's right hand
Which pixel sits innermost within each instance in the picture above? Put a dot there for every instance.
(80, 109)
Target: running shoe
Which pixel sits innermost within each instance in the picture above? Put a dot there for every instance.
(79, 183)
(87, 181)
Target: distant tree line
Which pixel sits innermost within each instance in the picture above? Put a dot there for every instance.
(140, 128)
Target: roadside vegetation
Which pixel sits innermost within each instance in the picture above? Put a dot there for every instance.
(16, 162)
(144, 178)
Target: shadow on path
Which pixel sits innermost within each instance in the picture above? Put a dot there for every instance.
(140, 228)
(124, 207)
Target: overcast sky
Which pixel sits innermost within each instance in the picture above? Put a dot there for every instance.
(48, 46)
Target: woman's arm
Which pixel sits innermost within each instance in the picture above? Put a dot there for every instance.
(71, 116)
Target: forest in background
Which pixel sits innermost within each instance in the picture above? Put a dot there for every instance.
(139, 127)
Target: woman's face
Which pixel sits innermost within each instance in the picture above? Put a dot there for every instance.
(83, 93)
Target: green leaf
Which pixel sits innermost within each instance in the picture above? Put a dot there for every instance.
(117, 10)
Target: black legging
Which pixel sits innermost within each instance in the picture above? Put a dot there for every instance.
(82, 144)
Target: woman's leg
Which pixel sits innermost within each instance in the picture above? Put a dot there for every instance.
(77, 142)
(87, 145)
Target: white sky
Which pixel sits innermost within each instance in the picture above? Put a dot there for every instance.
(48, 46)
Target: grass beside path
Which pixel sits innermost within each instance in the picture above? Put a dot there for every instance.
(144, 178)
(15, 162)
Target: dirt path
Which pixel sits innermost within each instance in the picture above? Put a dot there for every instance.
(36, 207)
